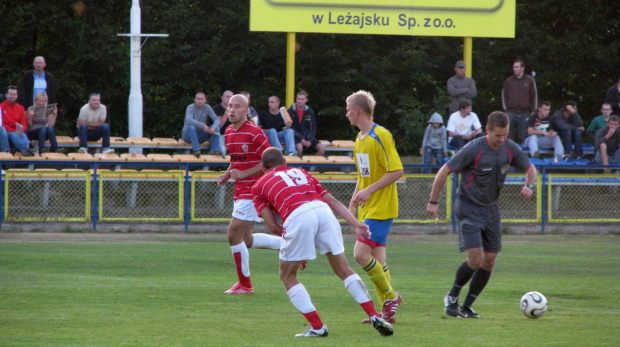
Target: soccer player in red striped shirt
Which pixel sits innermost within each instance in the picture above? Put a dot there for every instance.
(245, 142)
(309, 223)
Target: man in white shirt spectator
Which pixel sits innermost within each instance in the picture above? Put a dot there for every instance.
(463, 126)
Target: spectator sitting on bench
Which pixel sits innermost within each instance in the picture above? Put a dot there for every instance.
(41, 124)
(220, 111)
(14, 121)
(599, 122)
(607, 142)
(196, 128)
(304, 124)
(277, 129)
(463, 125)
(434, 143)
(569, 126)
(92, 126)
(541, 132)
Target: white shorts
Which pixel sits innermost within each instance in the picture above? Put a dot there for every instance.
(243, 209)
(312, 225)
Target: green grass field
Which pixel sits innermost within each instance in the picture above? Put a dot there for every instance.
(167, 290)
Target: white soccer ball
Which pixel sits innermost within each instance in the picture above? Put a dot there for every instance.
(533, 305)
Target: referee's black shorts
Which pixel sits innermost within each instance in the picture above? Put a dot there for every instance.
(478, 226)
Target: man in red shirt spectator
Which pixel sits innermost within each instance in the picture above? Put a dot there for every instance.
(14, 121)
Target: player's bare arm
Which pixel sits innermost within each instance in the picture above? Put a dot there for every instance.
(440, 180)
(362, 197)
(241, 174)
(361, 229)
(270, 219)
(223, 179)
(352, 206)
(526, 192)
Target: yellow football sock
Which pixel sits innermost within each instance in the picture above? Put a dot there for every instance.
(386, 271)
(378, 278)
(380, 295)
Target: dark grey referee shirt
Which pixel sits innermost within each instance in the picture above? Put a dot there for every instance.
(483, 169)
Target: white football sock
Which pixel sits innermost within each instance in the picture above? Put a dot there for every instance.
(300, 298)
(266, 241)
(356, 287)
(245, 257)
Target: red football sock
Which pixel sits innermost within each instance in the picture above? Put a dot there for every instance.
(314, 319)
(245, 281)
(369, 307)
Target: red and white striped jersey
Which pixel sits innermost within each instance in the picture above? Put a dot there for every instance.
(283, 189)
(245, 146)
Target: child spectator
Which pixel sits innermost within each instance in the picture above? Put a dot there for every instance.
(435, 142)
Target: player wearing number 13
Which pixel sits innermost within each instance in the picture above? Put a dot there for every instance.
(375, 197)
(308, 223)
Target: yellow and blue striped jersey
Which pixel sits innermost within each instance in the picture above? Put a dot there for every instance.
(375, 155)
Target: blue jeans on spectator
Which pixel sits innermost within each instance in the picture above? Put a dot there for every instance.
(222, 141)
(197, 136)
(613, 159)
(572, 137)
(102, 132)
(21, 142)
(277, 137)
(41, 134)
(429, 154)
(4, 140)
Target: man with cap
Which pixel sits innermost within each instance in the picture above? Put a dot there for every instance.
(460, 87)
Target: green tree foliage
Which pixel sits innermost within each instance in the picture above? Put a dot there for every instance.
(570, 46)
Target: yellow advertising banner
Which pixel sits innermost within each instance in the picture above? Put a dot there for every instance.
(461, 18)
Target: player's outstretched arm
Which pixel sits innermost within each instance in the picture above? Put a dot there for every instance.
(361, 229)
(440, 180)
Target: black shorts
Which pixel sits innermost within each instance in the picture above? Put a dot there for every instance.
(312, 148)
(478, 226)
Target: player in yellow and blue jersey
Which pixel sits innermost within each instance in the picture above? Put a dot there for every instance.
(375, 197)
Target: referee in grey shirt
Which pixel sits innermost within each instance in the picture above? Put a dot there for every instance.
(483, 164)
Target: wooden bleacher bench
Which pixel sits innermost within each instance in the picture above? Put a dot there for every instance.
(161, 157)
(135, 157)
(51, 156)
(81, 157)
(132, 142)
(345, 146)
(189, 158)
(108, 157)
